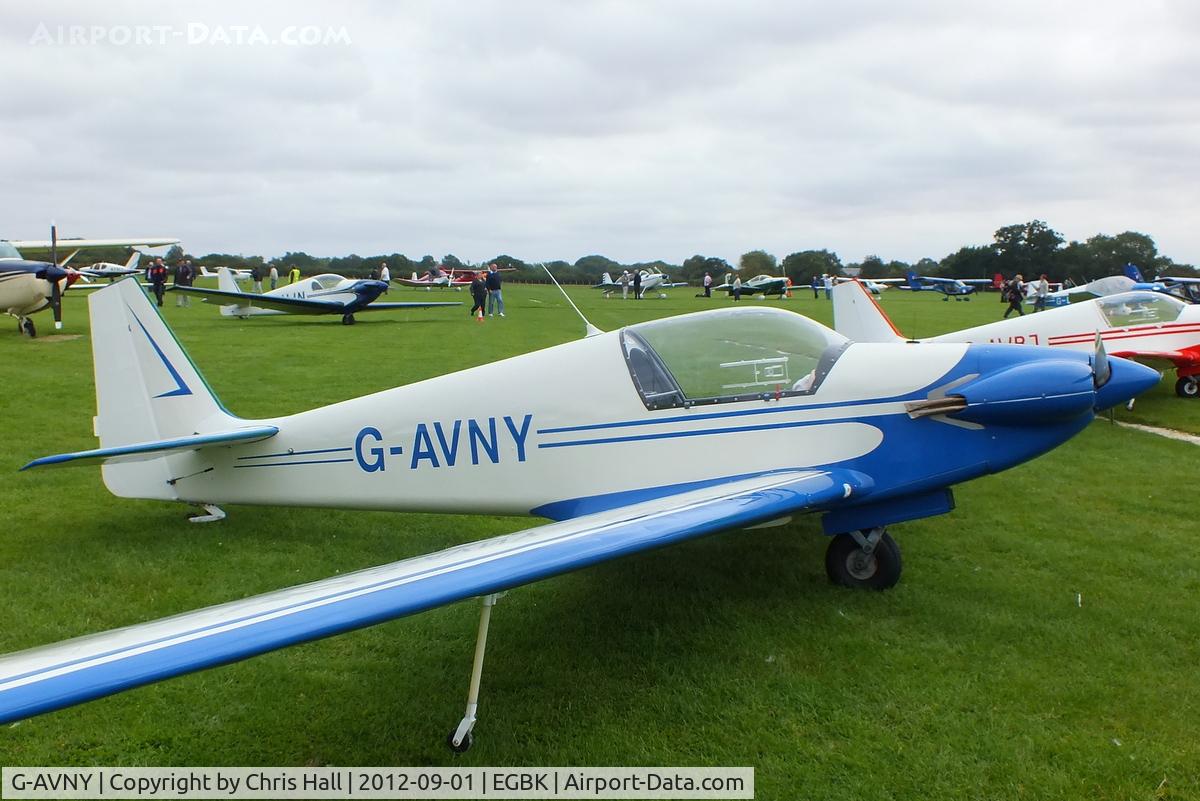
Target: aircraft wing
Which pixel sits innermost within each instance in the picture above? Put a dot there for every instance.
(1186, 357)
(293, 305)
(413, 282)
(416, 304)
(69, 244)
(55, 676)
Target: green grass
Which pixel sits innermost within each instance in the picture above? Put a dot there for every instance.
(979, 676)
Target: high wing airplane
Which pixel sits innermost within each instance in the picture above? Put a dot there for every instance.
(957, 288)
(1150, 327)
(652, 279)
(758, 285)
(29, 286)
(238, 273)
(754, 414)
(321, 294)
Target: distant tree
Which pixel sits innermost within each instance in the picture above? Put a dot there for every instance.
(451, 262)
(1027, 248)
(756, 262)
(594, 266)
(871, 267)
(694, 268)
(978, 261)
(174, 254)
(803, 265)
(1108, 255)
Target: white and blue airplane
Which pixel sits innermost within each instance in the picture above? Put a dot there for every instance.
(670, 430)
(321, 294)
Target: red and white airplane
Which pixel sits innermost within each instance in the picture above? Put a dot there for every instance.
(455, 278)
(1150, 327)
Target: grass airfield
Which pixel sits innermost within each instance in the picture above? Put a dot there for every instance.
(1043, 642)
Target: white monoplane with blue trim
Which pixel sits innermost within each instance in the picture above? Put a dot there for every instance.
(670, 430)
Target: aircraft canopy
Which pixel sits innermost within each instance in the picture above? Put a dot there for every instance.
(728, 355)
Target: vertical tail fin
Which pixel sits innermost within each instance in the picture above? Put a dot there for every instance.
(146, 387)
(1131, 271)
(914, 280)
(857, 315)
(133, 260)
(225, 280)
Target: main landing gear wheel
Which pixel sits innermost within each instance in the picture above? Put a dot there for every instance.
(26, 328)
(347, 319)
(1188, 387)
(867, 560)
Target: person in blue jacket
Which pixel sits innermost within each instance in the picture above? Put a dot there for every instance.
(495, 301)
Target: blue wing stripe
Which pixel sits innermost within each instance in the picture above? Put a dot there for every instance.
(397, 590)
(179, 443)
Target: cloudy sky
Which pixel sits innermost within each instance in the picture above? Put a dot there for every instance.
(639, 130)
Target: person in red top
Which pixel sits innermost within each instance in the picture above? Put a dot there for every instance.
(158, 279)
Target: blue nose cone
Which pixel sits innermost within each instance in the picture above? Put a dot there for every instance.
(1127, 380)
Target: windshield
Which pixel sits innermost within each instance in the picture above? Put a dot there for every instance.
(326, 281)
(7, 251)
(1139, 308)
(729, 355)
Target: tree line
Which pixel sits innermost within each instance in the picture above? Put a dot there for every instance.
(1031, 248)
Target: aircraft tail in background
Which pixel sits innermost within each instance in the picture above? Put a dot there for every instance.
(859, 317)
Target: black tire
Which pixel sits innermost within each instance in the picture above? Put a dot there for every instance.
(28, 328)
(347, 319)
(1188, 387)
(846, 566)
(462, 747)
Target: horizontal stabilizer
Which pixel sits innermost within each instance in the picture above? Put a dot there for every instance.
(141, 451)
(55, 676)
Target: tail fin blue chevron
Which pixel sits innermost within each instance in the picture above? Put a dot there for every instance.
(147, 389)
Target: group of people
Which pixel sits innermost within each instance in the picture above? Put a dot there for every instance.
(1013, 292)
(485, 287)
(156, 276)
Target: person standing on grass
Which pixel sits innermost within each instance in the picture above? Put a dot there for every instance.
(1015, 293)
(479, 294)
(1043, 289)
(737, 288)
(495, 300)
(182, 277)
(294, 275)
(158, 279)
(385, 275)
(816, 285)
(828, 286)
(274, 276)
(707, 285)
(625, 285)
(256, 277)
(637, 284)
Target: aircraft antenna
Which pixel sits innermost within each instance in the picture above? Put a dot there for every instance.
(588, 329)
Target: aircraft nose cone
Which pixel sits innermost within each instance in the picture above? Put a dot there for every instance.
(52, 273)
(1127, 380)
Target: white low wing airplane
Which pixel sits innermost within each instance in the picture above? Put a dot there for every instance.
(657, 433)
(1151, 327)
(106, 269)
(238, 273)
(321, 294)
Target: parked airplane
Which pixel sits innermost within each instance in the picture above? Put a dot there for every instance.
(652, 279)
(321, 294)
(437, 277)
(29, 286)
(106, 269)
(864, 435)
(875, 286)
(957, 288)
(237, 273)
(758, 285)
(1150, 327)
